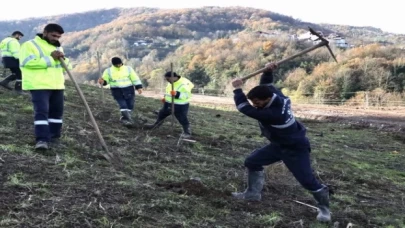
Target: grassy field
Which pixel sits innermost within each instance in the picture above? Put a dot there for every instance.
(163, 184)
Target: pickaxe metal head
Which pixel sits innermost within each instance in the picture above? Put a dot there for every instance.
(325, 41)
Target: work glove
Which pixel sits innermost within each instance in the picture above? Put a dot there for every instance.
(100, 81)
(139, 91)
(173, 93)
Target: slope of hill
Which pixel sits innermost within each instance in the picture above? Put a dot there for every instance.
(214, 44)
(163, 184)
(70, 22)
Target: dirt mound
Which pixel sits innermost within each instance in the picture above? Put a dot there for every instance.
(193, 187)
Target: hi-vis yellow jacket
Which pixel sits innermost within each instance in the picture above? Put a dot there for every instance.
(39, 70)
(10, 47)
(121, 77)
(183, 88)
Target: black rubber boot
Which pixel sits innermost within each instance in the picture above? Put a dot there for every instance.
(254, 188)
(41, 145)
(18, 87)
(126, 118)
(186, 132)
(322, 197)
(7, 80)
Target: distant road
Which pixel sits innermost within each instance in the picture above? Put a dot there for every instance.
(386, 118)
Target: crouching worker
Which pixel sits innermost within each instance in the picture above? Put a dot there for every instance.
(123, 82)
(288, 141)
(182, 95)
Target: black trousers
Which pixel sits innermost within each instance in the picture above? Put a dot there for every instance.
(180, 112)
(297, 161)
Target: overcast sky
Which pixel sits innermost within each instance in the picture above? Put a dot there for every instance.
(385, 15)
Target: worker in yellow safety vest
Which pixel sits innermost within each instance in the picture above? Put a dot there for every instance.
(43, 76)
(182, 95)
(123, 82)
(10, 50)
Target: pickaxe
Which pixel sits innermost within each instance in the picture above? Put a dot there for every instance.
(107, 155)
(324, 42)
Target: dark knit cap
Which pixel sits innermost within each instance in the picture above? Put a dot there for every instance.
(116, 61)
(169, 74)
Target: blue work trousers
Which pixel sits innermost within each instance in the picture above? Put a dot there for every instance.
(48, 112)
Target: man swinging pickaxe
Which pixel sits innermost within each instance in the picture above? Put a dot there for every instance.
(324, 42)
(287, 137)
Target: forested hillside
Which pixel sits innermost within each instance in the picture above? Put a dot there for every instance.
(212, 45)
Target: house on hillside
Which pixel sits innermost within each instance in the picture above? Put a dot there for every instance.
(293, 37)
(143, 42)
(309, 37)
(266, 34)
(334, 39)
(140, 43)
(337, 41)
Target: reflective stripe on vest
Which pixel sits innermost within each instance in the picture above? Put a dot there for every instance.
(182, 95)
(183, 99)
(281, 126)
(120, 80)
(42, 55)
(7, 52)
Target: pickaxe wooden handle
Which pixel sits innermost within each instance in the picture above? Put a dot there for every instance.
(324, 42)
(172, 78)
(107, 155)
